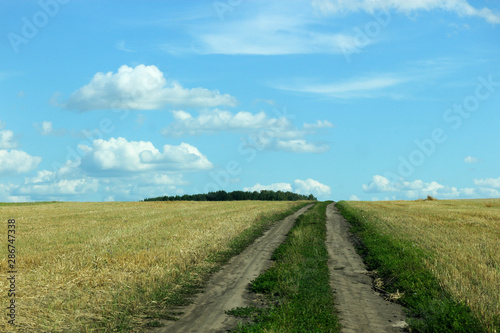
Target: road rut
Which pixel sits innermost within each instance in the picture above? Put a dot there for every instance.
(361, 308)
(227, 288)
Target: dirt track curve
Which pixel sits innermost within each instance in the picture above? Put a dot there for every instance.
(361, 308)
(227, 288)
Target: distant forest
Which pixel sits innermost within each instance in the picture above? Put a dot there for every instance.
(265, 195)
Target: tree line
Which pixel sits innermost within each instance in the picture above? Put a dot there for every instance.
(265, 195)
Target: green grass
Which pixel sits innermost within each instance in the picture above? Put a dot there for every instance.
(401, 266)
(297, 286)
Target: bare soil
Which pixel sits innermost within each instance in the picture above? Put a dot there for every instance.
(227, 288)
(361, 308)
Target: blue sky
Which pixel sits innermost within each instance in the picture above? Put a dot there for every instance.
(368, 100)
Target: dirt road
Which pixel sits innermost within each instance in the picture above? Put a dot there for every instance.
(361, 308)
(227, 288)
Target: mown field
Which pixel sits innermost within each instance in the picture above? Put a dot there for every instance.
(117, 266)
(421, 247)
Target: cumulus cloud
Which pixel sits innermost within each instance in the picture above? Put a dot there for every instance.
(72, 182)
(415, 189)
(311, 186)
(209, 122)
(141, 88)
(285, 187)
(308, 186)
(121, 156)
(379, 184)
(460, 7)
(263, 131)
(17, 161)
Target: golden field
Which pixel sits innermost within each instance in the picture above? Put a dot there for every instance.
(85, 263)
(462, 235)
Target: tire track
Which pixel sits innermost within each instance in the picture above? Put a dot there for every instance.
(361, 308)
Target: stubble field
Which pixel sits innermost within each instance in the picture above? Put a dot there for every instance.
(107, 266)
(461, 240)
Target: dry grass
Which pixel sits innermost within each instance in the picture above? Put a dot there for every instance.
(463, 235)
(80, 262)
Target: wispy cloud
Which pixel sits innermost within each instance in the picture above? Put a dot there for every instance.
(363, 87)
(460, 7)
(268, 28)
(259, 37)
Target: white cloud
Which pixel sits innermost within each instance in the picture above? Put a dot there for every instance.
(311, 186)
(379, 184)
(354, 198)
(58, 188)
(489, 192)
(209, 122)
(364, 87)
(319, 124)
(301, 146)
(470, 159)
(416, 189)
(239, 41)
(285, 187)
(488, 182)
(121, 156)
(71, 182)
(6, 195)
(460, 7)
(7, 140)
(17, 161)
(141, 88)
(269, 28)
(263, 131)
(308, 186)
(116, 169)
